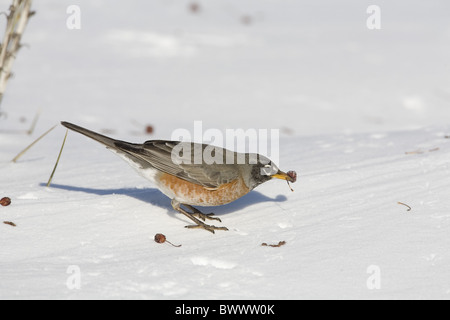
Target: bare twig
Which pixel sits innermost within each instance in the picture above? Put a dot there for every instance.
(409, 208)
(289, 185)
(414, 152)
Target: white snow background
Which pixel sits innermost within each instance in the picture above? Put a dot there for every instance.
(364, 119)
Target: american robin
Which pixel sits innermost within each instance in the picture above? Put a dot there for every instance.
(193, 174)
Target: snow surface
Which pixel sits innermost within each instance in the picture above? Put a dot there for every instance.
(363, 118)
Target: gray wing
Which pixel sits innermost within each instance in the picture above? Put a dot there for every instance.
(159, 154)
(182, 159)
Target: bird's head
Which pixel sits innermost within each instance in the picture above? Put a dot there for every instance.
(265, 170)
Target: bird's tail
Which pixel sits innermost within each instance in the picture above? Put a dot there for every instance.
(109, 142)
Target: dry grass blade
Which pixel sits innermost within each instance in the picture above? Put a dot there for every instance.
(57, 160)
(33, 124)
(21, 153)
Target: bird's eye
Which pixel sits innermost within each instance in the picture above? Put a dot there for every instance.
(267, 170)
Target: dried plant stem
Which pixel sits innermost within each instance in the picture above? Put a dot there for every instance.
(19, 12)
(160, 238)
(33, 124)
(21, 153)
(404, 204)
(289, 185)
(57, 160)
(175, 245)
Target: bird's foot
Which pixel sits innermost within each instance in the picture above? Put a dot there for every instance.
(204, 216)
(204, 226)
(196, 215)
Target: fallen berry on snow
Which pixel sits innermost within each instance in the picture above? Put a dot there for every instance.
(160, 238)
(5, 201)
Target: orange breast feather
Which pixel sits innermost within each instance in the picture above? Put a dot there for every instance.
(194, 194)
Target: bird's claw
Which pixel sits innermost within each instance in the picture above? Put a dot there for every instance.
(206, 227)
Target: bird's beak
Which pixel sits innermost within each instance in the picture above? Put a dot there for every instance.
(284, 176)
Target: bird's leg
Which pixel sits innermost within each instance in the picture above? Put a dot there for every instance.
(197, 213)
(199, 224)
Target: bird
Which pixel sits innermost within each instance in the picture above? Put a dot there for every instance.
(193, 174)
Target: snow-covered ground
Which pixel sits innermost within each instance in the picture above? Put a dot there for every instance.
(363, 118)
